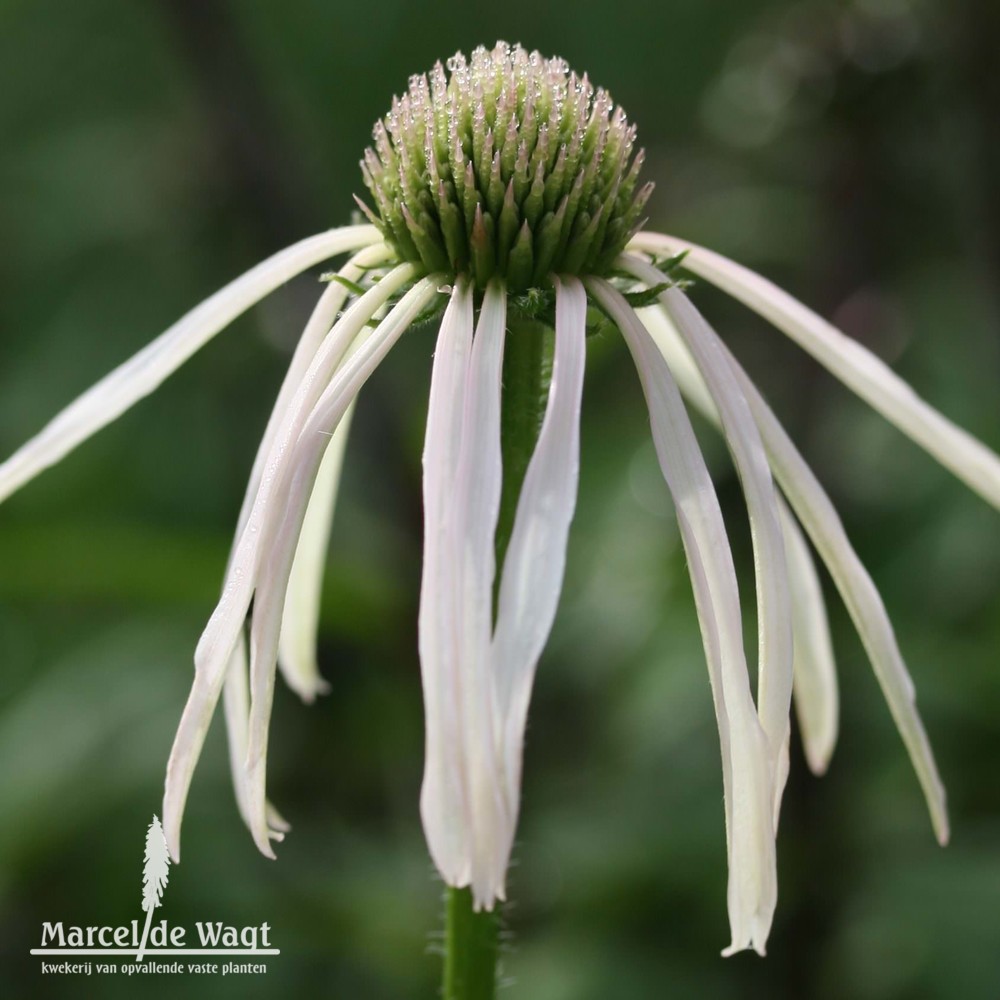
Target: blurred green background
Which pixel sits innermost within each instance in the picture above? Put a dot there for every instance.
(148, 153)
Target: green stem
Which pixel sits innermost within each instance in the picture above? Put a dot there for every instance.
(527, 371)
(470, 949)
(471, 940)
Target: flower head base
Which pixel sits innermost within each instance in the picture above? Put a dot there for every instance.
(511, 166)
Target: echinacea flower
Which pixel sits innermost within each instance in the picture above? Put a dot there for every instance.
(505, 190)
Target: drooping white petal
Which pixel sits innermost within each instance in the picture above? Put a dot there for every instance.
(817, 702)
(678, 357)
(752, 892)
(774, 684)
(300, 617)
(862, 599)
(970, 460)
(220, 637)
(820, 519)
(188, 741)
(444, 809)
(532, 575)
(293, 486)
(236, 706)
(318, 326)
(815, 677)
(142, 373)
(220, 633)
(298, 661)
(236, 703)
(468, 575)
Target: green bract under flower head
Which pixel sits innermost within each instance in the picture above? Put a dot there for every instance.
(508, 165)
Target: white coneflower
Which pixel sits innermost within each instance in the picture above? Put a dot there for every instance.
(506, 187)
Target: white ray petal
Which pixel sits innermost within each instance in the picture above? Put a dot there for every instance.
(820, 519)
(815, 677)
(774, 684)
(236, 703)
(300, 661)
(533, 568)
(212, 656)
(321, 320)
(817, 702)
(444, 808)
(188, 741)
(300, 618)
(220, 633)
(473, 513)
(142, 373)
(294, 484)
(970, 460)
(682, 365)
(752, 892)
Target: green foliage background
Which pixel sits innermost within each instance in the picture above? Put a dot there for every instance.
(151, 151)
